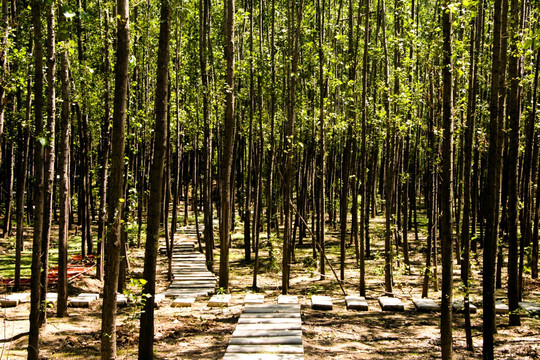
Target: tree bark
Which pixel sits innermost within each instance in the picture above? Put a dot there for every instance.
(446, 186)
(115, 190)
(39, 179)
(146, 338)
(228, 147)
(64, 186)
(493, 181)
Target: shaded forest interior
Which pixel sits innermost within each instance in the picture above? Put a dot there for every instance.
(280, 123)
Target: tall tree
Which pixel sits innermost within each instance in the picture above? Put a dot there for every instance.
(446, 185)
(513, 131)
(39, 179)
(228, 148)
(64, 169)
(493, 181)
(146, 338)
(115, 190)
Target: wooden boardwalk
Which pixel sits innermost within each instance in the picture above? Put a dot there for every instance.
(191, 278)
(267, 332)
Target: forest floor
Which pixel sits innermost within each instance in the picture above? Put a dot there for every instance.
(203, 333)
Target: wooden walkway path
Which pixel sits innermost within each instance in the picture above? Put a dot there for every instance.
(267, 332)
(191, 278)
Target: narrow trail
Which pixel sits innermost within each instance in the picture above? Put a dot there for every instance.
(190, 276)
(267, 331)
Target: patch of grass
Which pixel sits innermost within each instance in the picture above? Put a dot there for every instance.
(7, 261)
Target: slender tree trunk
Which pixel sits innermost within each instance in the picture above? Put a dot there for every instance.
(528, 191)
(446, 186)
(146, 338)
(493, 181)
(467, 168)
(64, 187)
(228, 147)
(115, 190)
(514, 115)
(21, 186)
(105, 152)
(39, 179)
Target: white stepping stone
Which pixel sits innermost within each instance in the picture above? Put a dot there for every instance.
(183, 301)
(321, 302)
(356, 303)
(79, 302)
(459, 307)
(426, 305)
(158, 298)
(391, 304)
(254, 299)
(121, 300)
(501, 308)
(287, 299)
(221, 300)
(51, 297)
(530, 307)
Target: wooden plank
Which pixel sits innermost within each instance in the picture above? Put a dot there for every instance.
(266, 340)
(426, 305)
(319, 302)
(264, 332)
(240, 356)
(270, 315)
(356, 303)
(270, 308)
(391, 304)
(276, 349)
(297, 326)
(259, 320)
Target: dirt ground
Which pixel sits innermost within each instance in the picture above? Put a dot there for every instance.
(203, 333)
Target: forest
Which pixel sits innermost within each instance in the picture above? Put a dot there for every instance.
(370, 141)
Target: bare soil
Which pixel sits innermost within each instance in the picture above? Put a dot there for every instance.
(203, 333)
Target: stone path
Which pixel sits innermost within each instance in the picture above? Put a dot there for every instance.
(191, 278)
(267, 331)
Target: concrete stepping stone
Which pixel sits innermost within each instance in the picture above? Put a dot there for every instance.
(121, 300)
(51, 298)
(459, 307)
(391, 304)
(287, 299)
(319, 302)
(530, 307)
(158, 299)
(12, 300)
(356, 303)
(221, 300)
(253, 299)
(83, 300)
(426, 305)
(501, 308)
(183, 301)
